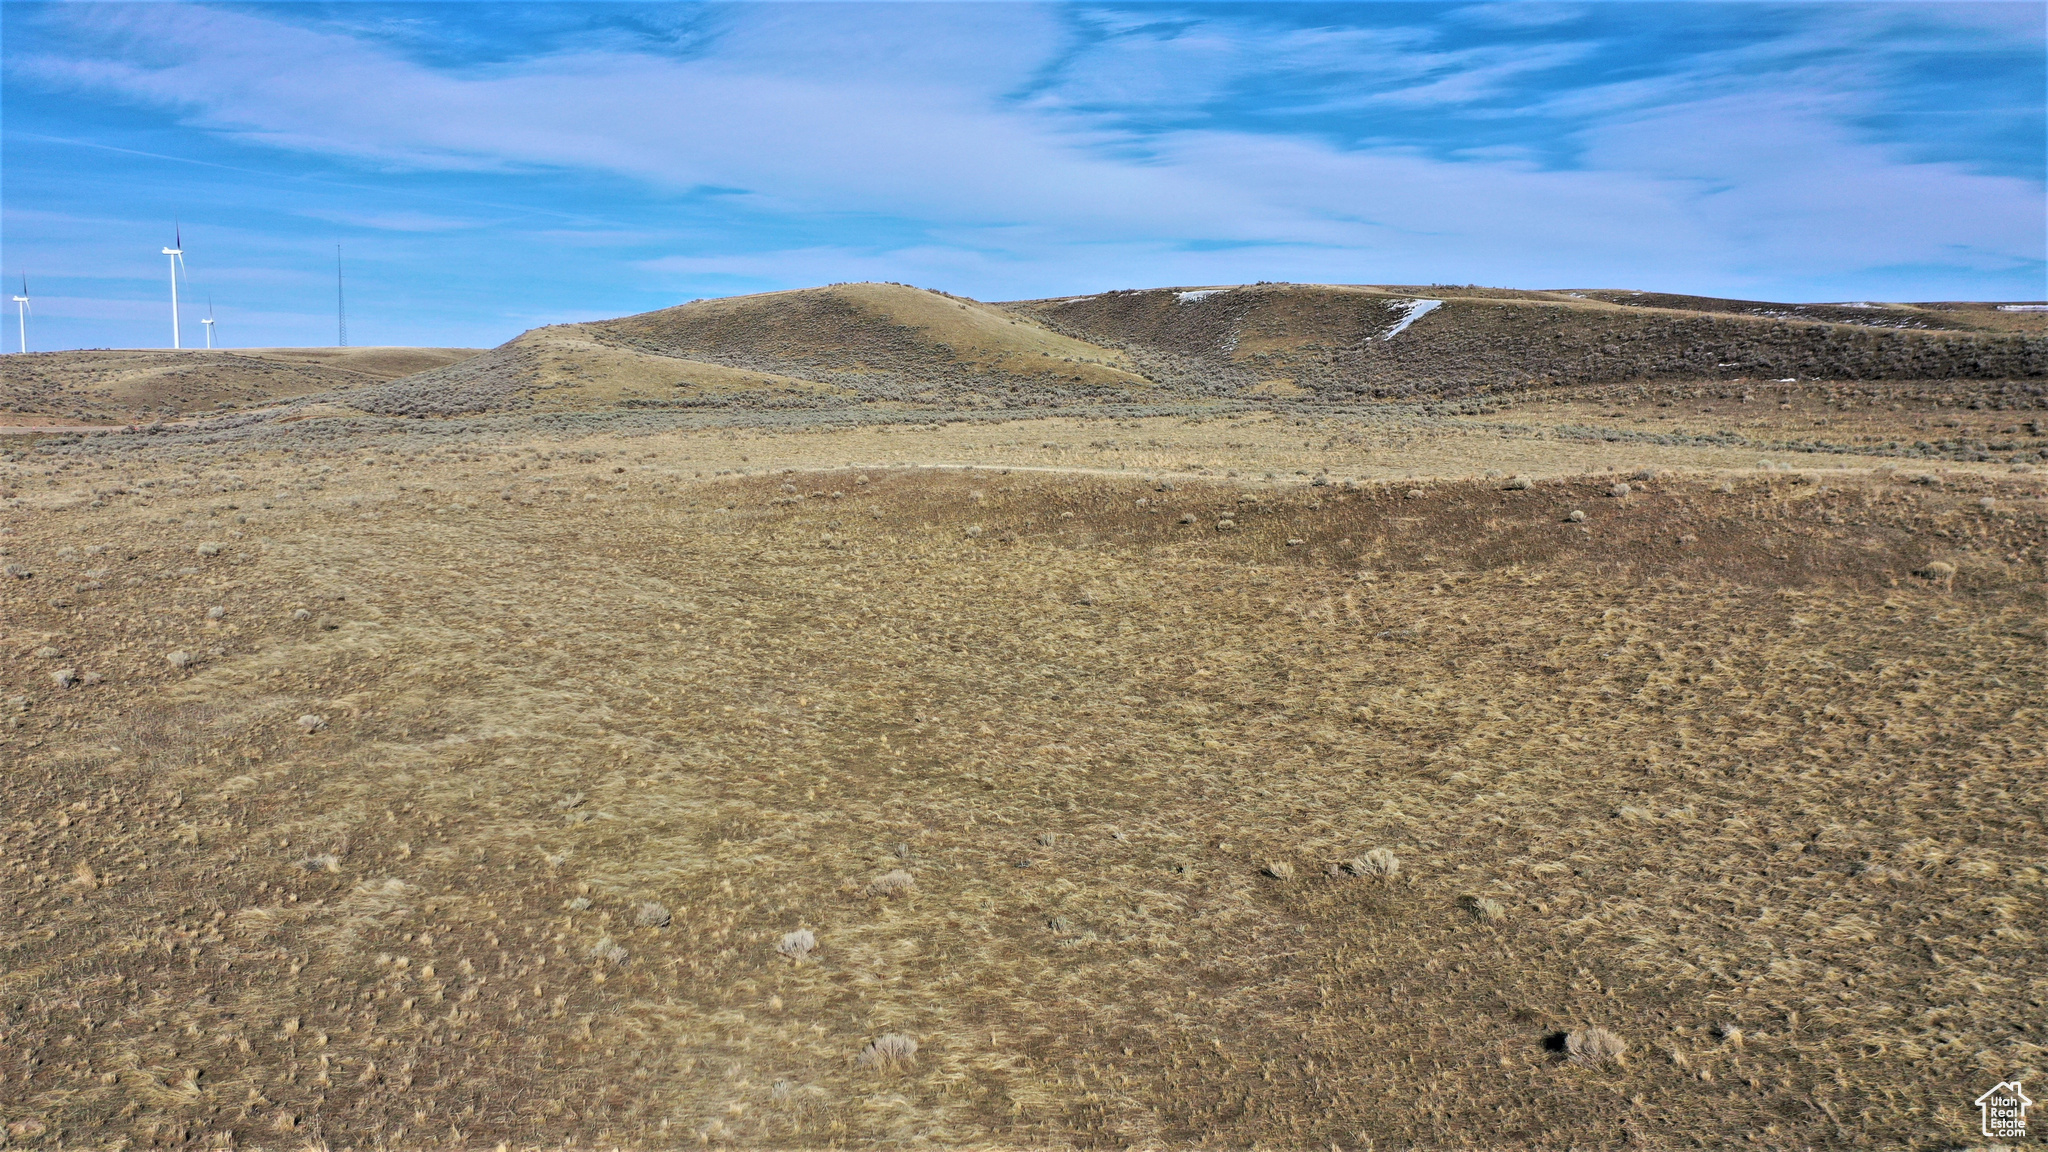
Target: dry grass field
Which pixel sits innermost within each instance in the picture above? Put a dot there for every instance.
(1955, 420)
(1257, 779)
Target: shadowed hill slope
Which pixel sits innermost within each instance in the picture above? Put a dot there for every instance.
(106, 386)
(1955, 316)
(1345, 342)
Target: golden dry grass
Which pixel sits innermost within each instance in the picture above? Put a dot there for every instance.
(1711, 769)
(867, 328)
(1949, 418)
(576, 373)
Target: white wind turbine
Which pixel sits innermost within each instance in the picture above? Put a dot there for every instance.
(177, 255)
(21, 309)
(209, 322)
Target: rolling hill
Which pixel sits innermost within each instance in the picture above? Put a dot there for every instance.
(849, 345)
(1343, 342)
(843, 344)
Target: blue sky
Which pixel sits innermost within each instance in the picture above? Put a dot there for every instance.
(488, 168)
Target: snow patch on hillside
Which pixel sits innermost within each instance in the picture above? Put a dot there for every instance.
(1198, 296)
(1411, 311)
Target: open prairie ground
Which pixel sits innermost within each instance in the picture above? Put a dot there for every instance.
(384, 783)
(1911, 419)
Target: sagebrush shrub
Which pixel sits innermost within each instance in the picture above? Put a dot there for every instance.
(798, 944)
(890, 883)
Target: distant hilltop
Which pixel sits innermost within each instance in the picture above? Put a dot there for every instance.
(849, 345)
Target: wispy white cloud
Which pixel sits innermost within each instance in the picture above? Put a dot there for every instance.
(1474, 76)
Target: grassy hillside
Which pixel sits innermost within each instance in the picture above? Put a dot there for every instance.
(854, 344)
(882, 339)
(113, 386)
(846, 344)
(1955, 316)
(1337, 342)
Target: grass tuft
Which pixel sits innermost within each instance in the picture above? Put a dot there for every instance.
(889, 1051)
(1484, 909)
(1377, 864)
(1594, 1046)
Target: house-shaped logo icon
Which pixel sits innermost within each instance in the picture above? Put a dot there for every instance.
(2005, 1111)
